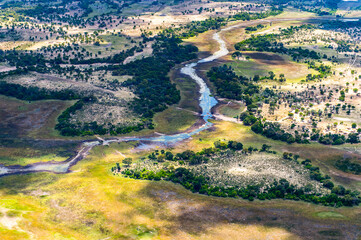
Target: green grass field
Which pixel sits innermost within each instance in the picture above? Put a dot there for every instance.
(248, 68)
(329, 215)
(294, 72)
(232, 109)
(111, 44)
(92, 203)
(13, 160)
(100, 8)
(174, 120)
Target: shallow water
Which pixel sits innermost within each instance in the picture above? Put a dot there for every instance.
(206, 102)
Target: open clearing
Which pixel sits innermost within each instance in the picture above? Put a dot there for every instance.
(262, 63)
(36, 119)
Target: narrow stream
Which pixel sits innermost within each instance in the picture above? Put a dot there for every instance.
(206, 102)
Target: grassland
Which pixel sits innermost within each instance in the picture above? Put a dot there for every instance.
(204, 42)
(22, 121)
(231, 109)
(100, 9)
(14, 160)
(27, 132)
(174, 120)
(262, 63)
(23, 151)
(111, 44)
(35, 119)
(91, 203)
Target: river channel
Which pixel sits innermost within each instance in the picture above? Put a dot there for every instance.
(206, 102)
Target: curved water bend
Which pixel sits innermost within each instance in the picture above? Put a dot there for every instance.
(206, 102)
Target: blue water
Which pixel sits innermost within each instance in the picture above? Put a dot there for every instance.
(206, 102)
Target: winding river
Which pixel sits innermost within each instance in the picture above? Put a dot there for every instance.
(206, 102)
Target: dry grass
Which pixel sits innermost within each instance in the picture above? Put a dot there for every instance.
(231, 108)
(234, 231)
(227, 169)
(91, 203)
(204, 42)
(321, 155)
(112, 106)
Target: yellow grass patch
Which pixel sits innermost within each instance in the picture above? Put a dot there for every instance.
(234, 231)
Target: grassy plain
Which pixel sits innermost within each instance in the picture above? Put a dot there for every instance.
(231, 109)
(204, 42)
(100, 9)
(174, 120)
(111, 44)
(92, 203)
(30, 119)
(27, 130)
(262, 63)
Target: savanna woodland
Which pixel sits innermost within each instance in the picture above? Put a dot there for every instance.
(180, 119)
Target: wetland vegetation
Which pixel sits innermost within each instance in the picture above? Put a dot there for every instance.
(180, 119)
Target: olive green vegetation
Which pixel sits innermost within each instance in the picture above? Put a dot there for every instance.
(231, 110)
(188, 90)
(248, 68)
(14, 160)
(174, 120)
(35, 119)
(293, 71)
(92, 203)
(181, 116)
(197, 182)
(320, 155)
(329, 215)
(112, 43)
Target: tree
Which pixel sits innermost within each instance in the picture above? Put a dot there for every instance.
(169, 156)
(328, 184)
(257, 127)
(127, 161)
(237, 55)
(220, 145)
(340, 190)
(256, 78)
(353, 138)
(282, 78)
(235, 145)
(271, 75)
(249, 120)
(265, 148)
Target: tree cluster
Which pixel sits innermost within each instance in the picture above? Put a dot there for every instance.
(281, 189)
